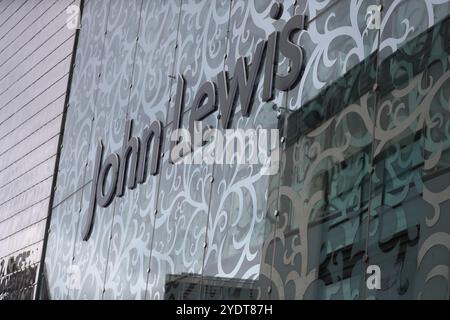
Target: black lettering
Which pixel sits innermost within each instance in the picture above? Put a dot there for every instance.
(291, 51)
(151, 134)
(111, 165)
(86, 233)
(270, 67)
(179, 106)
(244, 80)
(130, 149)
(204, 104)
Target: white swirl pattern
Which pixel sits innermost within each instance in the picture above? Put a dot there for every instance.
(132, 252)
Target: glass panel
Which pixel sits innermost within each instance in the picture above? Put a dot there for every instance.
(201, 45)
(323, 207)
(113, 94)
(91, 257)
(60, 273)
(313, 8)
(403, 20)
(129, 253)
(240, 190)
(335, 42)
(110, 113)
(132, 230)
(321, 229)
(154, 61)
(408, 235)
(82, 100)
(134, 218)
(180, 227)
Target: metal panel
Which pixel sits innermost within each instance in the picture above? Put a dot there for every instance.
(82, 100)
(35, 55)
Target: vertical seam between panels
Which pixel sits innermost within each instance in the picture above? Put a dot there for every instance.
(208, 216)
(90, 136)
(158, 183)
(115, 205)
(371, 168)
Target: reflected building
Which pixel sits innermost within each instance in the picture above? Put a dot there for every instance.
(193, 287)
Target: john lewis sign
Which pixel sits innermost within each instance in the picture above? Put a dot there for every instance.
(220, 94)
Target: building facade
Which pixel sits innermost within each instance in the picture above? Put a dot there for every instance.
(35, 57)
(358, 91)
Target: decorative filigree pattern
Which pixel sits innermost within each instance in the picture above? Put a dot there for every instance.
(364, 183)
